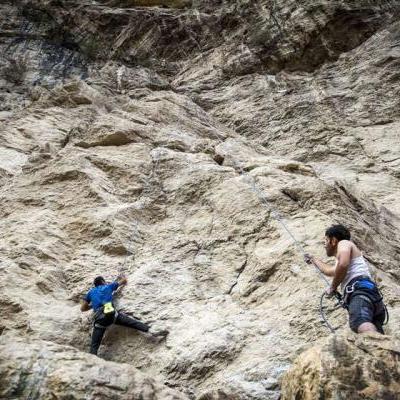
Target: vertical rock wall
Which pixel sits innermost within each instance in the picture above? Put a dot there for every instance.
(125, 131)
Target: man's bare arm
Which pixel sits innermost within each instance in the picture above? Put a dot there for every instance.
(342, 265)
(84, 306)
(326, 269)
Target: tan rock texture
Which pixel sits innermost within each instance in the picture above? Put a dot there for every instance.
(45, 370)
(153, 138)
(352, 367)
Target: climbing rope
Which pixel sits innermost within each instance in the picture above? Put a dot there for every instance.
(278, 217)
(322, 312)
(273, 212)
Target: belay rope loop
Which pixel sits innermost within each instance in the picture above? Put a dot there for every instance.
(339, 303)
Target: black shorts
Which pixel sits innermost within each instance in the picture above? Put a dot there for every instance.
(363, 309)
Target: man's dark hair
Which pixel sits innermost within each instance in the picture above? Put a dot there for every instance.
(339, 232)
(98, 281)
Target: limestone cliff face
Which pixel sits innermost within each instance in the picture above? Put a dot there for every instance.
(126, 127)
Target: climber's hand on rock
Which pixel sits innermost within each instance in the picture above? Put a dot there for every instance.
(122, 280)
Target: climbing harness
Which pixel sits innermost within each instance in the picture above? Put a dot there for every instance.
(362, 282)
(105, 316)
(365, 285)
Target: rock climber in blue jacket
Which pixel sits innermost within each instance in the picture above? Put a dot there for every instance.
(100, 299)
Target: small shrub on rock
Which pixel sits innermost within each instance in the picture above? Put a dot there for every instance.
(15, 70)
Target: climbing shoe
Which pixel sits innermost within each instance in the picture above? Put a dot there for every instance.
(160, 333)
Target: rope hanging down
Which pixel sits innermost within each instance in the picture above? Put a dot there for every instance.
(278, 217)
(274, 213)
(322, 313)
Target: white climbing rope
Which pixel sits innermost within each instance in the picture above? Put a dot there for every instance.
(278, 217)
(272, 210)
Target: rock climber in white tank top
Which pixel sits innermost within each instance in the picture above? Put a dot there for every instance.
(366, 310)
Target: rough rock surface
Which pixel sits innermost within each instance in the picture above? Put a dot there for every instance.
(352, 367)
(45, 370)
(132, 136)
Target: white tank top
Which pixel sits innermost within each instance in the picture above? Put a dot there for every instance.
(358, 266)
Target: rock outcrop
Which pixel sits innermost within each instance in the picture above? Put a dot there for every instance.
(152, 138)
(346, 367)
(45, 370)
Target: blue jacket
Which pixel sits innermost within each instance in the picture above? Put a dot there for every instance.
(100, 295)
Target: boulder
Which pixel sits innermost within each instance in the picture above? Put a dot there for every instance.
(346, 366)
